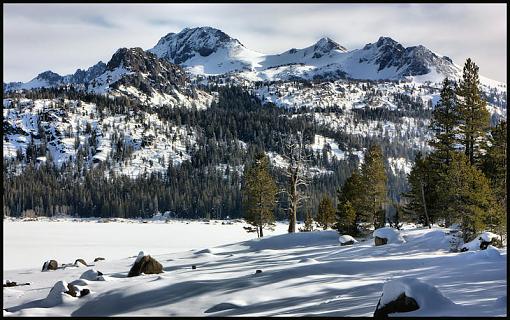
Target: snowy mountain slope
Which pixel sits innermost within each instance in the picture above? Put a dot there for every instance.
(50, 79)
(141, 75)
(130, 72)
(303, 274)
(209, 51)
(205, 51)
(72, 127)
(398, 112)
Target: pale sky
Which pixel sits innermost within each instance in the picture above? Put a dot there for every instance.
(65, 37)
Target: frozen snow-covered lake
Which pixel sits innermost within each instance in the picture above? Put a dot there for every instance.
(27, 244)
(302, 273)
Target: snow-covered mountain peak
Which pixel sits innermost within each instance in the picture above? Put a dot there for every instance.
(49, 76)
(85, 76)
(387, 41)
(206, 50)
(326, 45)
(131, 58)
(182, 46)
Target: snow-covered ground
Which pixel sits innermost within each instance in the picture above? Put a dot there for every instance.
(27, 244)
(306, 273)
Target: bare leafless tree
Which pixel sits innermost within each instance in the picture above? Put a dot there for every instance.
(297, 173)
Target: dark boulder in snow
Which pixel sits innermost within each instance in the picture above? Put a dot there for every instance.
(380, 241)
(75, 291)
(84, 292)
(72, 290)
(50, 265)
(62, 289)
(409, 294)
(145, 264)
(98, 259)
(401, 304)
(9, 283)
(484, 244)
(80, 261)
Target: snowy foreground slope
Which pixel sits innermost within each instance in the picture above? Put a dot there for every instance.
(302, 274)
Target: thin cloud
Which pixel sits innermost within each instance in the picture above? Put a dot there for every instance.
(99, 21)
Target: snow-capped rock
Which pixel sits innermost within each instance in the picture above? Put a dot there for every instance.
(390, 234)
(346, 239)
(427, 297)
(92, 275)
(480, 242)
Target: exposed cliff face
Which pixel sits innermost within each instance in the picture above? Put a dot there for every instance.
(146, 72)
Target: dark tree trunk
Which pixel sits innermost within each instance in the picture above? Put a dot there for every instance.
(293, 203)
(425, 205)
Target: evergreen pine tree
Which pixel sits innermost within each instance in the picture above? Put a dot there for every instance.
(467, 195)
(352, 192)
(308, 226)
(443, 124)
(259, 194)
(494, 168)
(494, 162)
(420, 193)
(374, 185)
(346, 218)
(326, 213)
(473, 114)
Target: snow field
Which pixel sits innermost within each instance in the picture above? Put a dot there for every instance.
(306, 273)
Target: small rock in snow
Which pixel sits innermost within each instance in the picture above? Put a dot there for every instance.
(346, 240)
(146, 265)
(92, 275)
(391, 235)
(50, 265)
(80, 261)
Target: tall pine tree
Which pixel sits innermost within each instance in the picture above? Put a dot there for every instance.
(374, 185)
(346, 218)
(494, 168)
(418, 205)
(326, 213)
(349, 208)
(467, 196)
(259, 194)
(473, 114)
(494, 164)
(444, 124)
